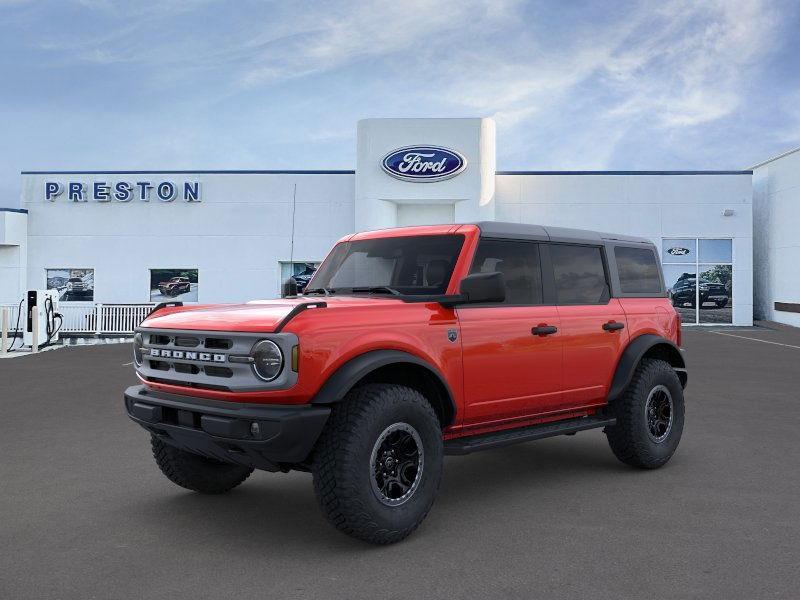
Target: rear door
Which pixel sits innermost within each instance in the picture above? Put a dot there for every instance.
(593, 324)
(510, 372)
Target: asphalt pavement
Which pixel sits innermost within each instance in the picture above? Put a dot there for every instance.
(85, 513)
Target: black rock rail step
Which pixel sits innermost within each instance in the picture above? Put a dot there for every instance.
(467, 445)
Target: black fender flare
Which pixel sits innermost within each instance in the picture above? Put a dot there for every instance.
(350, 373)
(632, 356)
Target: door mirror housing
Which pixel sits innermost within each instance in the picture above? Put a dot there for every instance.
(479, 288)
(290, 287)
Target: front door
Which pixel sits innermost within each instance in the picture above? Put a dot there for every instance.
(512, 351)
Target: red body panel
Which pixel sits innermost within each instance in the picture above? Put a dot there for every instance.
(509, 373)
(500, 374)
(591, 354)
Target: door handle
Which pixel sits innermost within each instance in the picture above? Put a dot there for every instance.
(613, 326)
(543, 330)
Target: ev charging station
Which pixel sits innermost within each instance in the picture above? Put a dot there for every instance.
(42, 319)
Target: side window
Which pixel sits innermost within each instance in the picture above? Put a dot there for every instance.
(579, 274)
(638, 270)
(519, 264)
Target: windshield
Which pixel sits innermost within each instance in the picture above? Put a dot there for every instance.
(414, 265)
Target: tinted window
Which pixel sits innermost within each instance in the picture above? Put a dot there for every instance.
(408, 264)
(519, 264)
(579, 274)
(638, 270)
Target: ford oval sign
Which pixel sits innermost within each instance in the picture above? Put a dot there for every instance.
(678, 251)
(423, 163)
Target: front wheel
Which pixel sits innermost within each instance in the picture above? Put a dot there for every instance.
(195, 472)
(649, 416)
(378, 463)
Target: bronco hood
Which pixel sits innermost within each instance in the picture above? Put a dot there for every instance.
(261, 316)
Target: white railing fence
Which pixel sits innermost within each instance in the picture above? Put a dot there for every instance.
(88, 318)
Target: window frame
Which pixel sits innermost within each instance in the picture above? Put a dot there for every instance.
(548, 299)
(551, 274)
(698, 264)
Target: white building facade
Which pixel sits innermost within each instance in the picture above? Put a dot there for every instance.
(776, 197)
(231, 236)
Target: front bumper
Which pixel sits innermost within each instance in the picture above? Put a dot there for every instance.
(225, 430)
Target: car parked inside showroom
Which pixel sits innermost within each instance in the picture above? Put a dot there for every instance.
(685, 292)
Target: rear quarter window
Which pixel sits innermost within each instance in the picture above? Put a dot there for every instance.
(638, 270)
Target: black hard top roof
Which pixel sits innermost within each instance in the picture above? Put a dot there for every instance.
(520, 231)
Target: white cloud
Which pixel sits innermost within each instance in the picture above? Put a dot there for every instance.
(336, 34)
(571, 86)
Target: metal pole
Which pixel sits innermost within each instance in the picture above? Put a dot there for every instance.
(291, 246)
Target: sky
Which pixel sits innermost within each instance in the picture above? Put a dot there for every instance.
(572, 85)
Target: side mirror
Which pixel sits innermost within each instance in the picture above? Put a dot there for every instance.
(290, 287)
(483, 287)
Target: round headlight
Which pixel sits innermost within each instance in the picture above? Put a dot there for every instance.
(138, 342)
(268, 360)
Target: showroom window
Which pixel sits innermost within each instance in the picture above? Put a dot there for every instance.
(300, 270)
(703, 299)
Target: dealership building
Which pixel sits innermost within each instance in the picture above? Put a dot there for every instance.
(121, 238)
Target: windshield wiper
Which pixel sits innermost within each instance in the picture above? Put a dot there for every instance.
(322, 290)
(375, 289)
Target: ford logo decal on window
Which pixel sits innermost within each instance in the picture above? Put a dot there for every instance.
(423, 163)
(677, 251)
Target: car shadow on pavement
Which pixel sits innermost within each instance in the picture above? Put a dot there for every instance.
(280, 509)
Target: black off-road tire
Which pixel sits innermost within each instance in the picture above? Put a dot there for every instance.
(629, 438)
(195, 472)
(342, 465)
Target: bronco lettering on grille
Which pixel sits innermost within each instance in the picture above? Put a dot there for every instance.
(181, 354)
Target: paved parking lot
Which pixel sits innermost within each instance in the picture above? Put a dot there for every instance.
(84, 512)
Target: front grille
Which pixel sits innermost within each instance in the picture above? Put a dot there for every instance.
(186, 368)
(218, 343)
(213, 371)
(201, 359)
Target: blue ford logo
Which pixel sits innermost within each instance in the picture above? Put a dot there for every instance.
(423, 163)
(678, 251)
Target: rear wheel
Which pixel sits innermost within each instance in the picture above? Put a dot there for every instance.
(378, 463)
(649, 416)
(195, 472)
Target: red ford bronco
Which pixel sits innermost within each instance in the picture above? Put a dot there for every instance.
(409, 344)
(175, 286)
